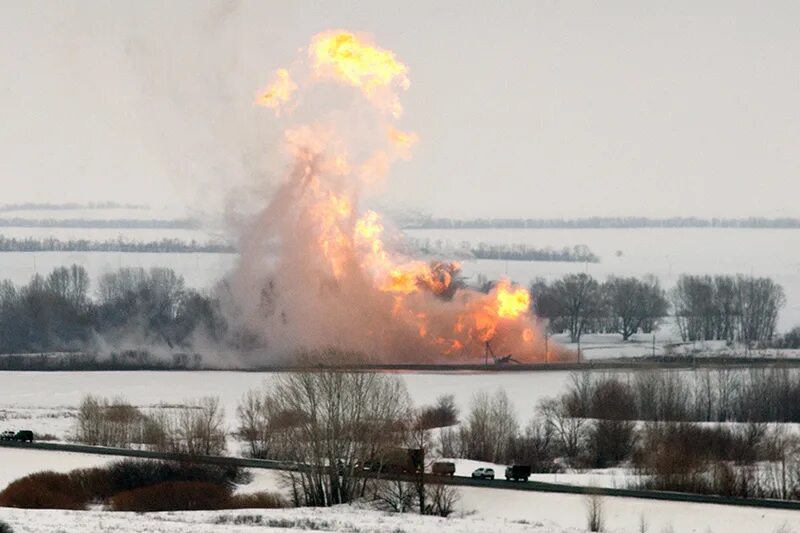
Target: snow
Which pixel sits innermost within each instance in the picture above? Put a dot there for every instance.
(624, 514)
(16, 463)
(479, 509)
(46, 402)
(341, 518)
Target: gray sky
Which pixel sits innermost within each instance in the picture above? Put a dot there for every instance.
(527, 108)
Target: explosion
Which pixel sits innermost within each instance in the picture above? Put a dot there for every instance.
(315, 271)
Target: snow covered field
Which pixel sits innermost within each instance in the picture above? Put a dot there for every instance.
(46, 402)
(343, 518)
(479, 510)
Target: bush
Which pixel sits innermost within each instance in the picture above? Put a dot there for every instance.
(173, 496)
(5, 528)
(257, 500)
(443, 414)
(131, 474)
(610, 442)
(45, 490)
(49, 490)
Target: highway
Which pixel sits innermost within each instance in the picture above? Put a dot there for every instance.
(534, 486)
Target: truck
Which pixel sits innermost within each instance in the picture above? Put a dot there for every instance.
(443, 468)
(518, 472)
(20, 436)
(398, 461)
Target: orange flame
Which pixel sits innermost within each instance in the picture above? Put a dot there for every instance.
(423, 302)
(511, 303)
(346, 58)
(279, 92)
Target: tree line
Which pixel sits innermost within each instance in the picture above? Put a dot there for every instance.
(57, 312)
(134, 223)
(724, 307)
(51, 244)
(423, 222)
(506, 252)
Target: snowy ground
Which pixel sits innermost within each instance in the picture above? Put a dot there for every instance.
(46, 402)
(479, 509)
(344, 518)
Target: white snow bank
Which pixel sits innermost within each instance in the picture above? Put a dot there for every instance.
(341, 518)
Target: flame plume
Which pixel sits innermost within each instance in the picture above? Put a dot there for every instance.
(316, 271)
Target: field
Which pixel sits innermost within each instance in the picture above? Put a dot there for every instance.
(46, 402)
(478, 510)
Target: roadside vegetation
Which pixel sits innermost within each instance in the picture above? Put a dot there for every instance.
(140, 486)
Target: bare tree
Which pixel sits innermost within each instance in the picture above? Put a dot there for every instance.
(634, 304)
(568, 429)
(594, 512)
(490, 428)
(338, 423)
(571, 303)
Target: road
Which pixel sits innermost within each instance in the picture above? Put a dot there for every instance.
(534, 486)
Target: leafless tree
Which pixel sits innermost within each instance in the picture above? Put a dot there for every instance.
(490, 427)
(568, 429)
(572, 303)
(594, 512)
(339, 422)
(634, 304)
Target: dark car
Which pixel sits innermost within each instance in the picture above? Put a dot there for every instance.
(20, 436)
(518, 472)
(443, 468)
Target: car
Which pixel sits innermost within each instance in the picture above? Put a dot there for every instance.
(483, 473)
(7, 435)
(443, 468)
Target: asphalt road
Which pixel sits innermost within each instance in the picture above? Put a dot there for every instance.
(534, 486)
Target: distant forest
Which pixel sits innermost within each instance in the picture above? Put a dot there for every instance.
(504, 252)
(50, 244)
(70, 206)
(599, 222)
(135, 223)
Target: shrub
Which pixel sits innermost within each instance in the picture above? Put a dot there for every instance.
(172, 496)
(132, 474)
(443, 414)
(610, 442)
(5, 528)
(257, 500)
(49, 490)
(594, 512)
(44, 490)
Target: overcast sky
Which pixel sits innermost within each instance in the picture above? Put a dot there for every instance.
(534, 109)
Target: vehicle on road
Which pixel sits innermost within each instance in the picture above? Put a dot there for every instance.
(518, 472)
(20, 436)
(444, 468)
(483, 473)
